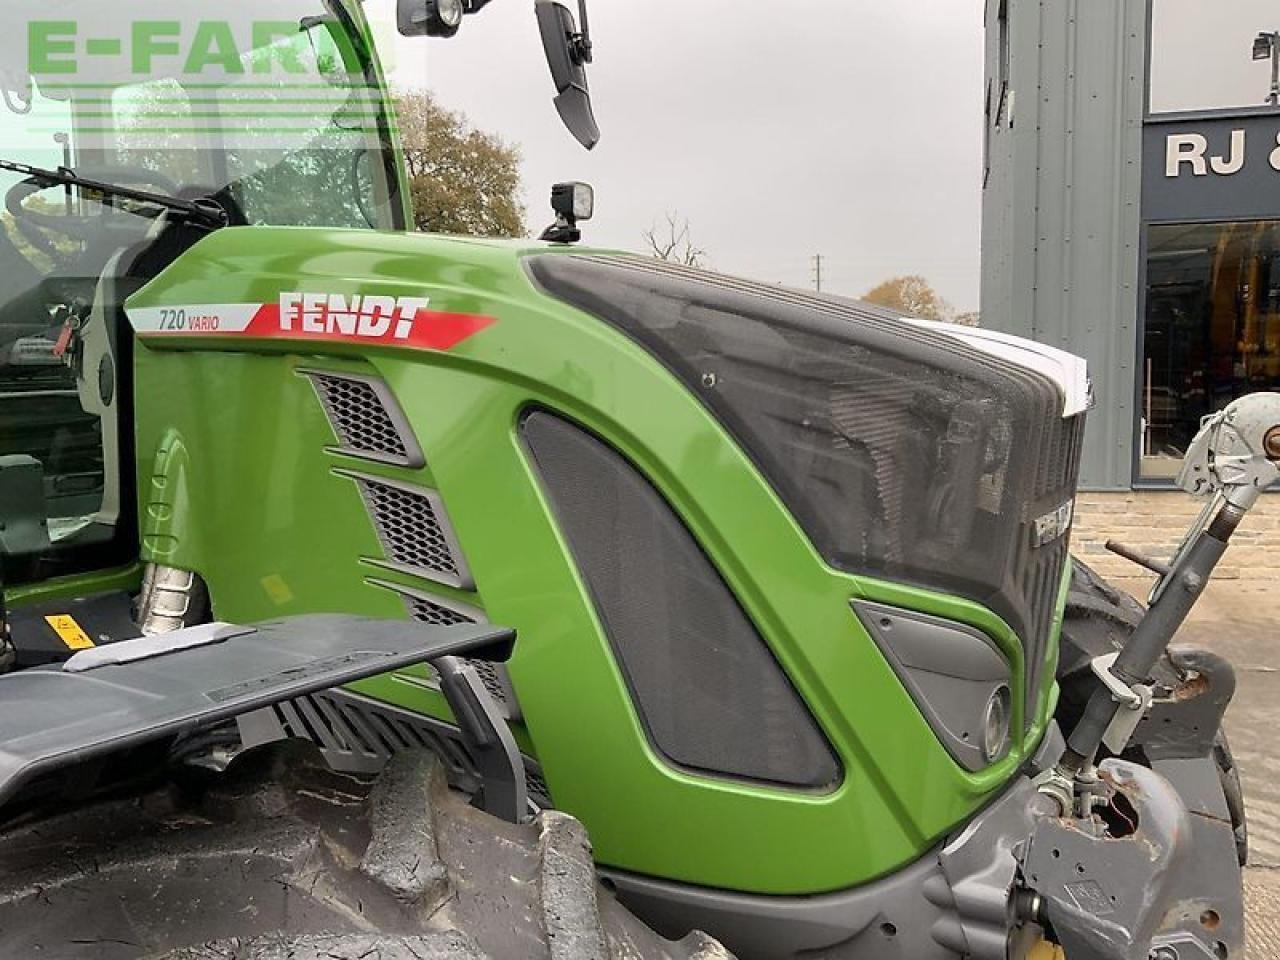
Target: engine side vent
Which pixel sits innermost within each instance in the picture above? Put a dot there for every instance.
(357, 734)
(414, 530)
(428, 611)
(366, 419)
(441, 612)
(708, 689)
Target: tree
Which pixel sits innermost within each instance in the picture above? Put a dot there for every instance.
(674, 243)
(970, 319)
(462, 180)
(910, 294)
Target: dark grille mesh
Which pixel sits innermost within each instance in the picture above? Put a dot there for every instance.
(424, 611)
(361, 421)
(707, 688)
(1042, 567)
(490, 674)
(902, 451)
(494, 676)
(358, 734)
(409, 528)
(493, 682)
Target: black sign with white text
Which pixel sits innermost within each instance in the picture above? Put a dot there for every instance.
(1218, 168)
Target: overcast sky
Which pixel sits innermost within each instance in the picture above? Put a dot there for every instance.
(1201, 53)
(849, 128)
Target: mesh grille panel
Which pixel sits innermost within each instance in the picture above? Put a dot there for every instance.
(363, 424)
(424, 611)
(903, 452)
(412, 529)
(707, 688)
(357, 734)
(1041, 568)
(494, 676)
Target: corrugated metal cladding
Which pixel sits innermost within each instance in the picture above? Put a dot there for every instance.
(1066, 82)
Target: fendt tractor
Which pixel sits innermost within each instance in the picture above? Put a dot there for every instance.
(354, 577)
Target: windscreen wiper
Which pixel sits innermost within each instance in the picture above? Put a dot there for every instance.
(206, 213)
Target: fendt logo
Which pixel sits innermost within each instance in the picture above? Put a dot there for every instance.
(300, 315)
(372, 317)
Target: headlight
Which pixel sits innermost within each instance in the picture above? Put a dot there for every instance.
(956, 674)
(995, 725)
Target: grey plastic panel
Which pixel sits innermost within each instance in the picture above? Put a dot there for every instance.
(53, 719)
(357, 734)
(887, 920)
(22, 506)
(950, 670)
(146, 648)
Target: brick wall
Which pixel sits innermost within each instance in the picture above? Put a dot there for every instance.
(1153, 521)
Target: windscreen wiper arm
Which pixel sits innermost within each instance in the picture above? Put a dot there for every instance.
(204, 212)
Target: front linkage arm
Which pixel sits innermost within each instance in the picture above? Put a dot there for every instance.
(1232, 460)
(1104, 898)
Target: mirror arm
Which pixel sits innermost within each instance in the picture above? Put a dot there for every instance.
(582, 39)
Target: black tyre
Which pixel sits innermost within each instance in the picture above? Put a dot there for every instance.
(284, 860)
(1229, 774)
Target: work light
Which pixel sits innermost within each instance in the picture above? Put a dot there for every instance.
(432, 18)
(1263, 44)
(995, 725)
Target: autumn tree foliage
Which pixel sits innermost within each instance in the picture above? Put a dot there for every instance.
(910, 294)
(462, 180)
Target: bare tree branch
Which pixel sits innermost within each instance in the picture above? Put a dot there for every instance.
(674, 243)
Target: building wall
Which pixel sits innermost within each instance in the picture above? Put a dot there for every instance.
(1063, 183)
(1153, 521)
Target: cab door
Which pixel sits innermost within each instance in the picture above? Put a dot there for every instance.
(65, 506)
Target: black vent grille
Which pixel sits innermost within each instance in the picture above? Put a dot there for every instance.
(366, 419)
(425, 611)
(436, 611)
(708, 690)
(1041, 568)
(414, 530)
(359, 735)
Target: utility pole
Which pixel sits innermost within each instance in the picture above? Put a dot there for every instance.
(1275, 69)
(1267, 45)
(817, 271)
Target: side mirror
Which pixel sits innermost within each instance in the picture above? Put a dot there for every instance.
(568, 53)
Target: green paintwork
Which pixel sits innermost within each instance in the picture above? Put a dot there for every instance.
(246, 494)
(235, 480)
(66, 588)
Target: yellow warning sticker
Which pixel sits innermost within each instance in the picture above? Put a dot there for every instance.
(277, 589)
(65, 626)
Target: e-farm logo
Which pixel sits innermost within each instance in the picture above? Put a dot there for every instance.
(65, 48)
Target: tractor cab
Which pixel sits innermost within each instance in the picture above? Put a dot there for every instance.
(281, 121)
